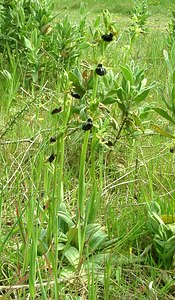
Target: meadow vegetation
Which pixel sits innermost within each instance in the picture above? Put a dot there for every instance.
(87, 116)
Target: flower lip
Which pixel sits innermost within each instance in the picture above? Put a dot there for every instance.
(172, 150)
(53, 139)
(89, 120)
(109, 143)
(87, 125)
(107, 37)
(100, 70)
(51, 158)
(75, 95)
(56, 110)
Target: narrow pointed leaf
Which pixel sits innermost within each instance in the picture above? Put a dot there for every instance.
(121, 105)
(164, 114)
(127, 74)
(173, 92)
(166, 103)
(161, 131)
(173, 99)
(28, 44)
(174, 76)
(166, 57)
(109, 100)
(140, 97)
(120, 93)
(84, 45)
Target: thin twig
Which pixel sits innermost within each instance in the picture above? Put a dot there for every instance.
(26, 286)
(10, 124)
(25, 140)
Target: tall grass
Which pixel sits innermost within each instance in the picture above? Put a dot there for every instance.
(75, 201)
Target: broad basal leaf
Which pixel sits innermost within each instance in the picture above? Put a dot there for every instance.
(72, 255)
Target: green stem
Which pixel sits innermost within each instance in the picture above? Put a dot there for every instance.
(1, 197)
(58, 175)
(81, 196)
(94, 92)
(93, 144)
(81, 189)
(120, 129)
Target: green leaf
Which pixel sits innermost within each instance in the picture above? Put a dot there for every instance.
(34, 37)
(174, 76)
(120, 93)
(143, 84)
(112, 92)
(166, 57)
(91, 206)
(90, 83)
(170, 246)
(6, 74)
(97, 21)
(165, 54)
(95, 236)
(63, 215)
(84, 45)
(61, 246)
(144, 111)
(72, 236)
(43, 292)
(67, 272)
(76, 83)
(153, 223)
(92, 228)
(83, 114)
(140, 97)
(96, 241)
(21, 14)
(72, 255)
(74, 79)
(173, 92)
(121, 105)
(28, 44)
(98, 259)
(166, 103)
(118, 274)
(112, 242)
(164, 114)
(42, 243)
(137, 120)
(161, 131)
(109, 100)
(139, 76)
(173, 99)
(127, 74)
(77, 73)
(62, 236)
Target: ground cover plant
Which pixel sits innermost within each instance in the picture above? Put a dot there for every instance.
(87, 150)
